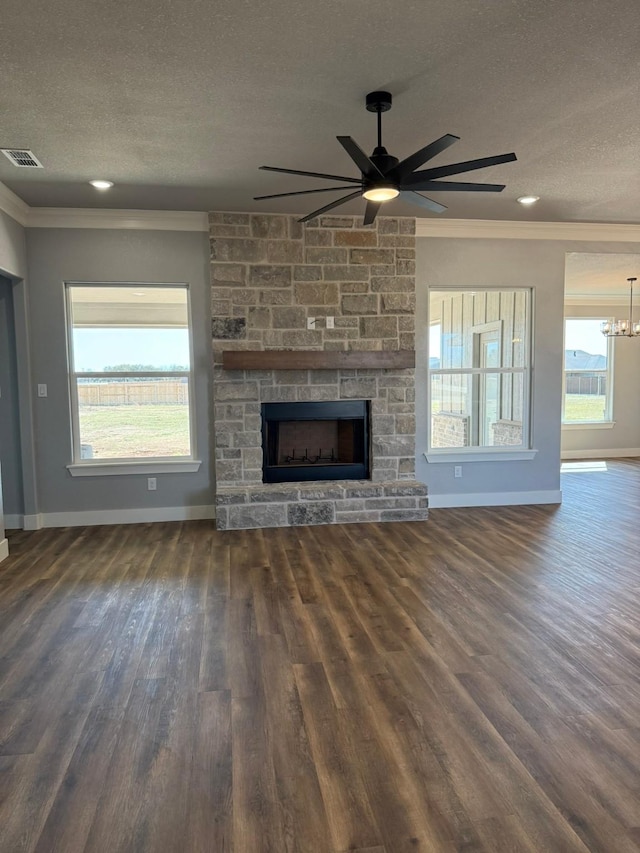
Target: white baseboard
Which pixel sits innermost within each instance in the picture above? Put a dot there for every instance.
(4, 549)
(495, 499)
(89, 518)
(601, 454)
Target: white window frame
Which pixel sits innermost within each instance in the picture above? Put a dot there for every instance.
(127, 465)
(515, 453)
(608, 421)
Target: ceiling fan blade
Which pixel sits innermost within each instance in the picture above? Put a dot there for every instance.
(330, 206)
(458, 168)
(415, 198)
(453, 186)
(310, 174)
(366, 166)
(371, 211)
(300, 192)
(406, 166)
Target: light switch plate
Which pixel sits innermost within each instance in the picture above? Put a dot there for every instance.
(311, 323)
(42, 390)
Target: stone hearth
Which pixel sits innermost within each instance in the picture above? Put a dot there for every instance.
(268, 275)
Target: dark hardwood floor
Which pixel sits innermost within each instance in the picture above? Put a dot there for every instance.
(471, 683)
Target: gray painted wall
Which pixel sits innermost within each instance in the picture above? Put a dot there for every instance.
(59, 255)
(539, 264)
(13, 255)
(625, 434)
(10, 452)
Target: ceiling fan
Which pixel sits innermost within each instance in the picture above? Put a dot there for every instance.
(384, 177)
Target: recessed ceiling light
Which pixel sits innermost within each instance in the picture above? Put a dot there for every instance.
(529, 199)
(101, 185)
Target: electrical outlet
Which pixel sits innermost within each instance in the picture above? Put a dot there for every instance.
(42, 390)
(330, 323)
(457, 471)
(311, 322)
(151, 484)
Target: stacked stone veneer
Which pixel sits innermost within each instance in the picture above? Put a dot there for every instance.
(269, 274)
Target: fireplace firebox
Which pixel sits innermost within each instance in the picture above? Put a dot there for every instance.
(315, 441)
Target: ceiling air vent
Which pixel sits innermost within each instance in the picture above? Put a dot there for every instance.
(22, 158)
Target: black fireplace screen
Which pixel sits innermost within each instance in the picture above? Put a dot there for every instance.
(315, 441)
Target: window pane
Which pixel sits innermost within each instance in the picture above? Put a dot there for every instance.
(146, 417)
(585, 361)
(463, 320)
(477, 410)
(136, 350)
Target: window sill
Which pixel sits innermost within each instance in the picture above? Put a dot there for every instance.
(480, 455)
(589, 425)
(105, 469)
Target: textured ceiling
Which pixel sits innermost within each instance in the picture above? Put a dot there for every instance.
(179, 101)
(600, 275)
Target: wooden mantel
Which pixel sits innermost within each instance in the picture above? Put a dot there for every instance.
(316, 359)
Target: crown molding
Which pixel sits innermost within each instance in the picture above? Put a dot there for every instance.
(505, 230)
(13, 206)
(138, 220)
(595, 299)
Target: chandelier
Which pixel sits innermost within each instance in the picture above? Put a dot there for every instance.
(623, 328)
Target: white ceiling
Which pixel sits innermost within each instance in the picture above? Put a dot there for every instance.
(600, 276)
(180, 101)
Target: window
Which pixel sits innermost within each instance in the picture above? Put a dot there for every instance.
(131, 378)
(587, 372)
(479, 369)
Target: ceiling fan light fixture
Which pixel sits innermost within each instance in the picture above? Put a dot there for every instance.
(528, 199)
(381, 193)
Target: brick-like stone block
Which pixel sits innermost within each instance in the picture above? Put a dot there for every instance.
(346, 272)
(275, 495)
(246, 250)
(291, 377)
(289, 318)
(356, 238)
(354, 286)
(371, 256)
(308, 272)
(235, 496)
(378, 327)
(276, 297)
(337, 221)
(279, 394)
(398, 303)
(259, 318)
(364, 490)
(296, 229)
(252, 457)
(220, 307)
(242, 296)
(302, 339)
(269, 226)
(404, 253)
(285, 251)
(393, 445)
(391, 284)
(229, 275)
(406, 324)
(268, 276)
(229, 470)
(357, 517)
(325, 255)
(405, 489)
(357, 389)
(407, 341)
(228, 328)
(387, 225)
(360, 304)
(406, 424)
(321, 492)
(311, 512)
(405, 267)
(315, 293)
(318, 237)
(383, 424)
(404, 515)
(235, 391)
(317, 392)
(407, 225)
(247, 439)
(257, 515)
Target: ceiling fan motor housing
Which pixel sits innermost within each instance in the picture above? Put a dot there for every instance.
(378, 102)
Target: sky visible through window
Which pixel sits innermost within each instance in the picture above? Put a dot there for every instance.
(585, 335)
(96, 349)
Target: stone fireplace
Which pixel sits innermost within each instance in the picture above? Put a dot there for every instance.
(289, 292)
